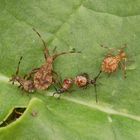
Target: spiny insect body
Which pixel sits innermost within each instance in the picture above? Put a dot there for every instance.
(111, 62)
(39, 78)
(44, 77)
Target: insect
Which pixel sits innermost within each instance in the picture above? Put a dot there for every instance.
(83, 81)
(67, 84)
(111, 62)
(25, 84)
(44, 77)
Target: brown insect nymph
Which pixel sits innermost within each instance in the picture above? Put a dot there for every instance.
(25, 84)
(66, 85)
(44, 77)
(83, 80)
(111, 62)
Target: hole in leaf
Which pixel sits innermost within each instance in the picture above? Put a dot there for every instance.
(13, 116)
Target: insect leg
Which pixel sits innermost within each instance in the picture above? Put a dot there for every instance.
(62, 53)
(57, 92)
(123, 66)
(95, 85)
(110, 50)
(122, 48)
(57, 80)
(96, 97)
(29, 75)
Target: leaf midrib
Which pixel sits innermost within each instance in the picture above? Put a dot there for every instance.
(104, 109)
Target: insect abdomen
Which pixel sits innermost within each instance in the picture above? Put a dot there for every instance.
(109, 64)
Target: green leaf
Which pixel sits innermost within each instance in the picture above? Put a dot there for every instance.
(83, 25)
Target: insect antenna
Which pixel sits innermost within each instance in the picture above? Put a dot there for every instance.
(40, 37)
(17, 71)
(109, 49)
(104, 46)
(113, 49)
(46, 52)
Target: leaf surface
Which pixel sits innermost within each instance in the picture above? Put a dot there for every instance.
(83, 25)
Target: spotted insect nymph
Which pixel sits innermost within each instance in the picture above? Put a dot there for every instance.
(81, 81)
(111, 62)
